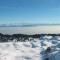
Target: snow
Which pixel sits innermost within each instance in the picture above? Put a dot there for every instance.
(20, 50)
(31, 50)
(54, 44)
(47, 37)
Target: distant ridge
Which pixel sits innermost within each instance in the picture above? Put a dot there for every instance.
(26, 25)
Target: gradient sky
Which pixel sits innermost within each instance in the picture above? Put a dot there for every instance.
(29, 11)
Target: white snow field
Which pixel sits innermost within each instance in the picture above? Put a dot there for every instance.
(54, 44)
(31, 50)
(20, 50)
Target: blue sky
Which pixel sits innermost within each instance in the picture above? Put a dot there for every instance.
(29, 11)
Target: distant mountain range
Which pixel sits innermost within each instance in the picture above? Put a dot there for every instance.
(26, 25)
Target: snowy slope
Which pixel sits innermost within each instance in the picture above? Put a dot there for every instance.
(54, 44)
(35, 49)
(20, 50)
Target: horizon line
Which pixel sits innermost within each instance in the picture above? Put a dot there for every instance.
(26, 25)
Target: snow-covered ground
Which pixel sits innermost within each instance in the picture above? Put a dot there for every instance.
(31, 50)
(54, 44)
(20, 50)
